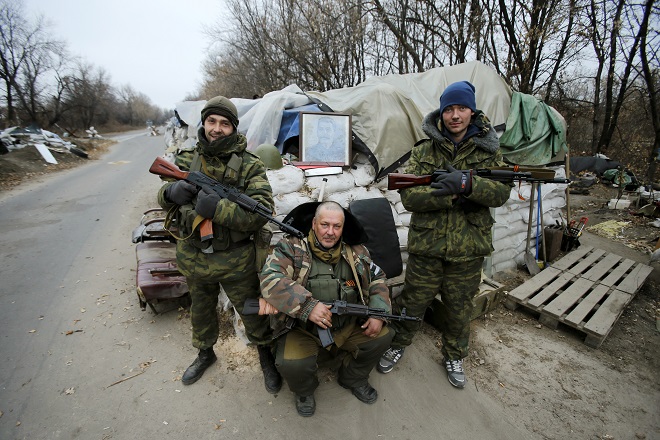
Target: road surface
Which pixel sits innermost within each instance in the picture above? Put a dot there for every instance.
(81, 360)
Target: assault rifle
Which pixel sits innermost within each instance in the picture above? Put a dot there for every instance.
(164, 168)
(500, 174)
(339, 308)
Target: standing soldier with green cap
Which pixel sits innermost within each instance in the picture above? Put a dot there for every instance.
(228, 258)
(450, 228)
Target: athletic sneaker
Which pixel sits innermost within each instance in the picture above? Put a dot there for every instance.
(389, 360)
(455, 372)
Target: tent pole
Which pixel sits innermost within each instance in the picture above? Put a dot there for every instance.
(568, 189)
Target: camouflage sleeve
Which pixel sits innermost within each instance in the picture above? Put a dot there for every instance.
(278, 286)
(258, 188)
(419, 198)
(487, 192)
(379, 293)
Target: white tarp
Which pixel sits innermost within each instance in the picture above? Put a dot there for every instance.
(387, 111)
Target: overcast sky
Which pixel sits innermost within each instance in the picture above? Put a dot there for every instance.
(156, 46)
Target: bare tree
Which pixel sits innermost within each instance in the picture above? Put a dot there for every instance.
(25, 50)
(616, 45)
(650, 60)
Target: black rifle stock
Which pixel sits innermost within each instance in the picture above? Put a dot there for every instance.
(164, 168)
(401, 181)
(251, 307)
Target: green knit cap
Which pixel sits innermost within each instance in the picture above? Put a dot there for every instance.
(221, 106)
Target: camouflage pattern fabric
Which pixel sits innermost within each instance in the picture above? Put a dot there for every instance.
(231, 223)
(454, 230)
(296, 357)
(232, 262)
(448, 239)
(286, 272)
(236, 272)
(457, 284)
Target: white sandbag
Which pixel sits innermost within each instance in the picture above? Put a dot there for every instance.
(333, 184)
(288, 179)
(403, 237)
(393, 197)
(284, 203)
(363, 174)
(358, 193)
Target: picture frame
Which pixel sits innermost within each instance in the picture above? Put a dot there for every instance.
(325, 138)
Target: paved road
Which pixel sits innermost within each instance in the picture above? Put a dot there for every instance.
(80, 359)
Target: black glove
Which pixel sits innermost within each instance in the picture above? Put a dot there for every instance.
(453, 182)
(181, 192)
(207, 203)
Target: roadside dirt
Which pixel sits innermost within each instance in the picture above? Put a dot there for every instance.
(548, 381)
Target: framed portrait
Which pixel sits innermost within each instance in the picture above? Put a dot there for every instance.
(325, 137)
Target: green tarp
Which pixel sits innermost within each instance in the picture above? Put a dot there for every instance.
(535, 133)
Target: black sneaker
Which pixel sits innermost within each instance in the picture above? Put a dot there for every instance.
(455, 372)
(389, 359)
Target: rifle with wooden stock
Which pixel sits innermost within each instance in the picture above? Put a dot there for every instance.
(340, 308)
(162, 167)
(500, 174)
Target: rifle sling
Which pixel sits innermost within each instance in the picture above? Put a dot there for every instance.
(351, 262)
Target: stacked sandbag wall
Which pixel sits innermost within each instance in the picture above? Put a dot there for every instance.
(291, 188)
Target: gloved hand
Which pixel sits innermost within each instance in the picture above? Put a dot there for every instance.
(181, 192)
(453, 182)
(206, 203)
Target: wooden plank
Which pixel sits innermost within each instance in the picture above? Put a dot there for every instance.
(618, 272)
(600, 270)
(578, 314)
(587, 261)
(528, 288)
(602, 321)
(572, 257)
(568, 297)
(550, 290)
(634, 280)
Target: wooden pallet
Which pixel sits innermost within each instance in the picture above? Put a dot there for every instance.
(587, 289)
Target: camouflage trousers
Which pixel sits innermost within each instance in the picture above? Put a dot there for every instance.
(457, 284)
(233, 269)
(298, 350)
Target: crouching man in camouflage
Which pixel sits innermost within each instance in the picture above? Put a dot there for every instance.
(329, 264)
(450, 228)
(229, 257)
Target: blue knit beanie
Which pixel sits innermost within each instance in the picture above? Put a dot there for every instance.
(459, 93)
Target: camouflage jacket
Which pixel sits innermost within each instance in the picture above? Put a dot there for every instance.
(231, 223)
(285, 274)
(454, 230)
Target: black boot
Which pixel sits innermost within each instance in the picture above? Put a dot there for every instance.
(205, 359)
(305, 405)
(272, 378)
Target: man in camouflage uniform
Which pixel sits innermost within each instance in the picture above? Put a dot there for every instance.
(450, 228)
(329, 264)
(228, 258)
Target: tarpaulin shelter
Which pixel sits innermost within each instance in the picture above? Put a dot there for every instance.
(387, 113)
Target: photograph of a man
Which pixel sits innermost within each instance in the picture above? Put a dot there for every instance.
(325, 138)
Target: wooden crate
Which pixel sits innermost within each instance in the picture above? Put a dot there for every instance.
(587, 289)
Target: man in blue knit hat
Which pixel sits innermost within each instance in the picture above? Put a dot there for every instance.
(450, 229)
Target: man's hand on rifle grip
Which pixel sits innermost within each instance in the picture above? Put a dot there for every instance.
(321, 315)
(207, 202)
